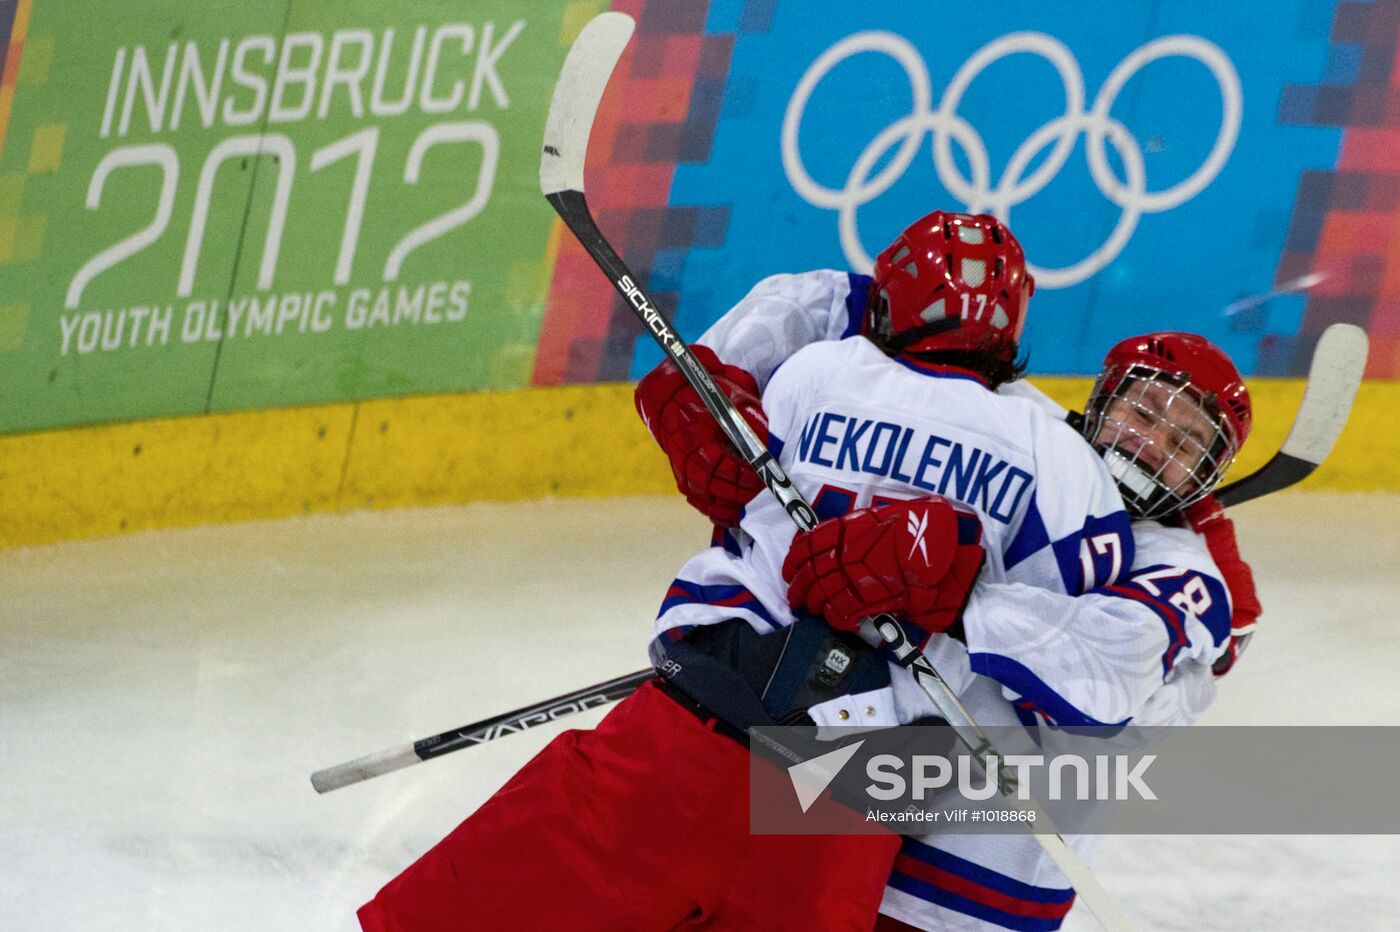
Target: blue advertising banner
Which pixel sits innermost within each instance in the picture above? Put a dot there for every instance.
(1145, 154)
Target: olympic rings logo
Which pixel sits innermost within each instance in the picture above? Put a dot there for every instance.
(1015, 186)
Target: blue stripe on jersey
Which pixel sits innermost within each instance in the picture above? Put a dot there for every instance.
(969, 528)
(1069, 552)
(1217, 618)
(1216, 614)
(1030, 538)
(856, 300)
(936, 372)
(1171, 617)
(775, 444)
(1020, 679)
(684, 592)
(970, 870)
(939, 897)
(723, 537)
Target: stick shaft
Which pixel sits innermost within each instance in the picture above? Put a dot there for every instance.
(573, 209)
(510, 723)
(478, 733)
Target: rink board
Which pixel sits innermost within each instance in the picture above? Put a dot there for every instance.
(571, 441)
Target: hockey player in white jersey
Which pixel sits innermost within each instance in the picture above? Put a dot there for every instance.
(642, 823)
(870, 443)
(1168, 414)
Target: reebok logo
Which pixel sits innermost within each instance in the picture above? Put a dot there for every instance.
(810, 778)
(917, 526)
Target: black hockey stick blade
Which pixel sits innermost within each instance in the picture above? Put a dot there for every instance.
(477, 733)
(1333, 379)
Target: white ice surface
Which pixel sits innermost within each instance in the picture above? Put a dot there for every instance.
(165, 696)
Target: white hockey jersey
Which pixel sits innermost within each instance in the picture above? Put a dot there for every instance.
(1077, 618)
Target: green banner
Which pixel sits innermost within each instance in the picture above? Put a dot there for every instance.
(270, 203)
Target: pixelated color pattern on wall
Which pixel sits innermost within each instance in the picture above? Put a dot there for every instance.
(296, 201)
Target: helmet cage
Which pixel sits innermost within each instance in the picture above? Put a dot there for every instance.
(1165, 444)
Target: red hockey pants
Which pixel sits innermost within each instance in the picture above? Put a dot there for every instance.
(639, 824)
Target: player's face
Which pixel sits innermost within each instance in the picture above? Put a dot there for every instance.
(1164, 429)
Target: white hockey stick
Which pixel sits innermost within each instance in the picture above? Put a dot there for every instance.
(1333, 379)
(583, 79)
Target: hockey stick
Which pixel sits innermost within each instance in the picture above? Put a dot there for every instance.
(585, 74)
(477, 733)
(1333, 379)
(567, 198)
(582, 80)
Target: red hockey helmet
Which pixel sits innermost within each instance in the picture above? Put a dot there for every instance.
(1169, 414)
(950, 282)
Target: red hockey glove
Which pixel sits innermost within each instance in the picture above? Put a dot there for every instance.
(1207, 518)
(916, 560)
(709, 472)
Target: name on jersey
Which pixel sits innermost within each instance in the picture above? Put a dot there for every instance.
(885, 449)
